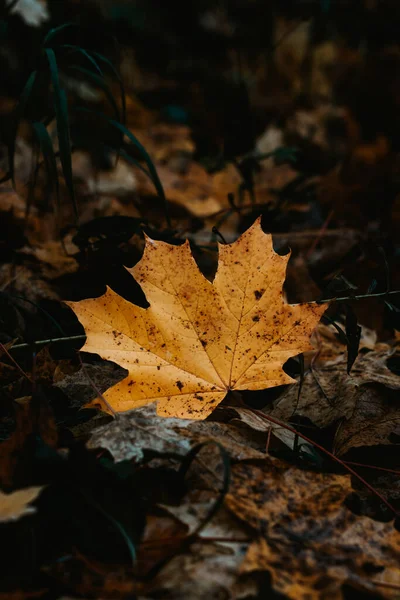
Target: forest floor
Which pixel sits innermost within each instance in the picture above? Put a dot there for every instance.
(291, 490)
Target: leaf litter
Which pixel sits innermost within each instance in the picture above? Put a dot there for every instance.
(289, 520)
(108, 506)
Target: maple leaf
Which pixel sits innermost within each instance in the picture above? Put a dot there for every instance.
(198, 340)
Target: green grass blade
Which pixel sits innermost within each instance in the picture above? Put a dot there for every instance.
(78, 50)
(46, 147)
(152, 170)
(120, 81)
(63, 132)
(131, 160)
(19, 111)
(99, 82)
(56, 30)
(152, 173)
(116, 74)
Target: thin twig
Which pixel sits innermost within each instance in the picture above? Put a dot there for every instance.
(365, 466)
(82, 337)
(356, 297)
(320, 234)
(20, 369)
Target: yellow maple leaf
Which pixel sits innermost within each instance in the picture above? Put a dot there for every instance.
(198, 340)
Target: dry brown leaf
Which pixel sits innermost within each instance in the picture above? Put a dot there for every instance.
(54, 258)
(78, 385)
(308, 540)
(257, 423)
(134, 433)
(162, 536)
(198, 339)
(364, 402)
(207, 571)
(240, 445)
(130, 435)
(15, 505)
(375, 416)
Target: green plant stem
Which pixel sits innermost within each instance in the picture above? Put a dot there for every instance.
(49, 341)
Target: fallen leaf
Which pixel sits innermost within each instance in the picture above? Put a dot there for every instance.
(308, 540)
(240, 445)
(79, 388)
(364, 402)
(375, 416)
(223, 525)
(162, 535)
(198, 339)
(55, 260)
(17, 504)
(207, 571)
(33, 12)
(130, 435)
(256, 422)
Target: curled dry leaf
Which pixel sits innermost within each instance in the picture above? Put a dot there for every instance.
(198, 339)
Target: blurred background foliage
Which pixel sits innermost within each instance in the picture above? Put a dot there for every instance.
(229, 109)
